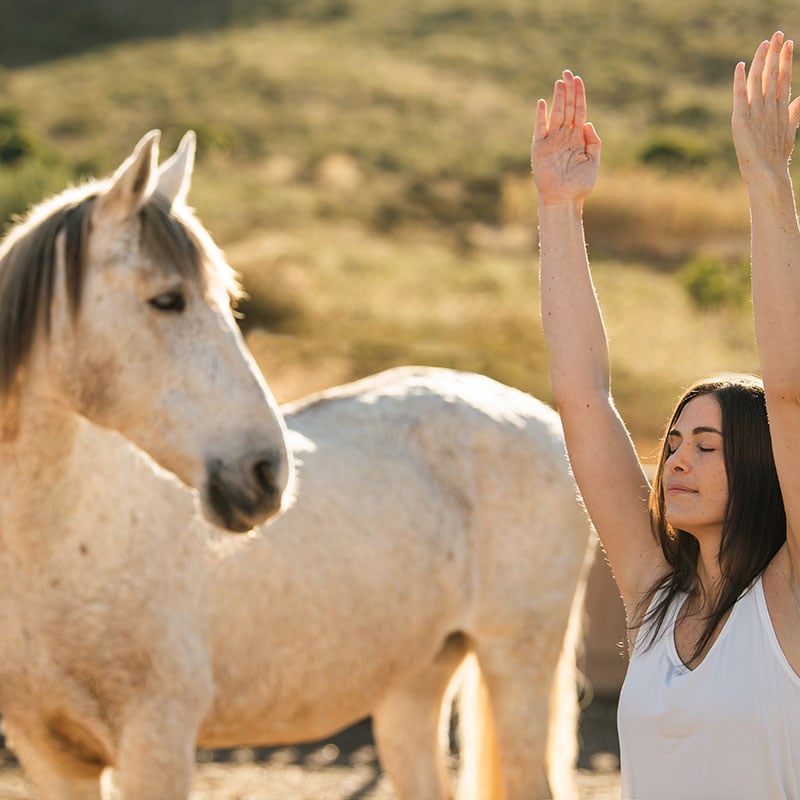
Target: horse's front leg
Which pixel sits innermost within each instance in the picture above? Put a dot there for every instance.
(49, 783)
(155, 753)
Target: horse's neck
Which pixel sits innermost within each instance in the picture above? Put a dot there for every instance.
(60, 476)
(35, 453)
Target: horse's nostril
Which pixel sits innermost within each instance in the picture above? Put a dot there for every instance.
(265, 475)
(245, 493)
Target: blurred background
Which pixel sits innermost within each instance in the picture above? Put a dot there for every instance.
(365, 166)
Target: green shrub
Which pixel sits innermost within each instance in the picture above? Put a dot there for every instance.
(674, 151)
(25, 183)
(16, 142)
(712, 283)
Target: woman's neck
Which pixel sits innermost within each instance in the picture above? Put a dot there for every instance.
(708, 570)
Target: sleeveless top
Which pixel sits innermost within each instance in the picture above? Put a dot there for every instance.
(727, 730)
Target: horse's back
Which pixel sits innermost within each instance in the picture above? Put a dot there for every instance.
(496, 454)
(478, 405)
(459, 420)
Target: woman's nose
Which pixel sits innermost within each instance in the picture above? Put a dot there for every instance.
(676, 460)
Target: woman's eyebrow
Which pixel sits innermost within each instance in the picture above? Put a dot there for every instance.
(695, 431)
(706, 429)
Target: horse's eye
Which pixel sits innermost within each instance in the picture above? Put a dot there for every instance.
(171, 302)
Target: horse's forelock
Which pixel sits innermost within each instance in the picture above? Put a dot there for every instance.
(27, 273)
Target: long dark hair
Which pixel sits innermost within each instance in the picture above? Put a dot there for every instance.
(754, 527)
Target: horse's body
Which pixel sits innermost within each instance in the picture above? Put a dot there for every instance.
(436, 520)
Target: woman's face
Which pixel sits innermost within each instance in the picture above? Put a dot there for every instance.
(695, 482)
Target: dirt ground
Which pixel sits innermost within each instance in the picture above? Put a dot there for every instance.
(345, 767)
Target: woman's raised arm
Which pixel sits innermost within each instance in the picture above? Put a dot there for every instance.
(565, 157)
(764, 123)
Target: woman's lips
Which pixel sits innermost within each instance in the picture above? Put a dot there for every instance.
(678, 488)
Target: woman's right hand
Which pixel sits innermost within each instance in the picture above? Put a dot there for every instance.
(565, 152)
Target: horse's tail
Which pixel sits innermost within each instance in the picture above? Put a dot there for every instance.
(562, 740)
(480, 775)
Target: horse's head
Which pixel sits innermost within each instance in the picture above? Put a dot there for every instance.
(129, 302)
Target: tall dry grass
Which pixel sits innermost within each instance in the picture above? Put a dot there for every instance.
(349, 303)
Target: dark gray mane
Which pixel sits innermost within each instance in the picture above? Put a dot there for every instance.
(28, 264)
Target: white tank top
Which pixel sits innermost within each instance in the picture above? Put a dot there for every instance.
(727, 730)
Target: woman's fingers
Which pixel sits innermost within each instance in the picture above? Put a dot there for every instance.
(794, 113)
(785, 74)
(579, 119)
(540, 126)
(557, 107)
(569, 98)
(769, 87)
(591, 140)
(770, 74)
(740, 99)
(568, 107)
(755, 78)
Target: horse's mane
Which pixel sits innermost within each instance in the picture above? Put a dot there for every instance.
(28, 262)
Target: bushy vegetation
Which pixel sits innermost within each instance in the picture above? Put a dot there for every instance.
(365, 165)
(712, 283)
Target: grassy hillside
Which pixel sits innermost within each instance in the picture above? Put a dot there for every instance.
(365, 165)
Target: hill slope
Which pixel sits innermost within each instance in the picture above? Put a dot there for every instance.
(366, 165)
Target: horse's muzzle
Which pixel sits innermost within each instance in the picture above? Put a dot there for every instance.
(245, 494)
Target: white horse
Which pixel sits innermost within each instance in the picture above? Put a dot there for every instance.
(436, 533)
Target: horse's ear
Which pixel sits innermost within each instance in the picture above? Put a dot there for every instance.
(133, 183)
(175, 174)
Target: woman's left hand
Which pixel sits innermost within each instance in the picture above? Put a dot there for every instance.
(764, 122)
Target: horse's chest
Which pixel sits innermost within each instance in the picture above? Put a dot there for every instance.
(56, 685)
(17, 646)
(61, 714)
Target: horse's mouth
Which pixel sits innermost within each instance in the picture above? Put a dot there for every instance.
(236, 512)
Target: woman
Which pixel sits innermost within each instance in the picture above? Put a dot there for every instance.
(707, 560)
